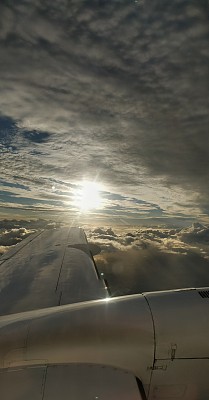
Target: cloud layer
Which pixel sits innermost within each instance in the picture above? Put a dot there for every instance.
(137, 260)
(153, 259)
(113, 90)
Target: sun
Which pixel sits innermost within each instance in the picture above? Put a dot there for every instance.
(87, 196)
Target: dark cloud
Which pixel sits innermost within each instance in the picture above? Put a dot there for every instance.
(107, 237)
(104, 232)
(129, 239)
(13, 236)
(134, 271)
(196, 234)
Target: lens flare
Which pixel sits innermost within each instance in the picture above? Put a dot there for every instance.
(87, 196)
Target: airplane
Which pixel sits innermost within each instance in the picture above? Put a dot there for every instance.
(62, 335)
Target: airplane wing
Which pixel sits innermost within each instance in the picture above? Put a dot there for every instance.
(42, 277)
(62, 337)
(49, 268)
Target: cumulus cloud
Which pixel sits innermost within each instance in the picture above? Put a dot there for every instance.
(134, 259)
(4, 249)
(170, 240)
(154, 258)
(13, 236)
(13, 232)
(113, 89)
(198, 233)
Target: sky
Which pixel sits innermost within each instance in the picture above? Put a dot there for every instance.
(113, 92)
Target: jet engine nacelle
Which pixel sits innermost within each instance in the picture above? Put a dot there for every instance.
(160, 338)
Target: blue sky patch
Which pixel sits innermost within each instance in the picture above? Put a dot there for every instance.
(11, 197)
(14, 185)
(8, 130)
(36, 136)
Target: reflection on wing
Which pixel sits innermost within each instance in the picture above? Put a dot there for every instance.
(49, 268)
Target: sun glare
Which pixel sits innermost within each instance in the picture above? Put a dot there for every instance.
(87, 196)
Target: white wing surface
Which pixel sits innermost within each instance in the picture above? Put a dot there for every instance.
(49, 268)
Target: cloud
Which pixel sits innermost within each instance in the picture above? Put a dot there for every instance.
(34, 224)
(176, 241)
(102, 231)
(197, 233)
(135, 259)
(116, 90)
(13, 232)
(13, 236)
(165, 239)
(134, 271)
(4, 249)
(155, 259)
(104, 234)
